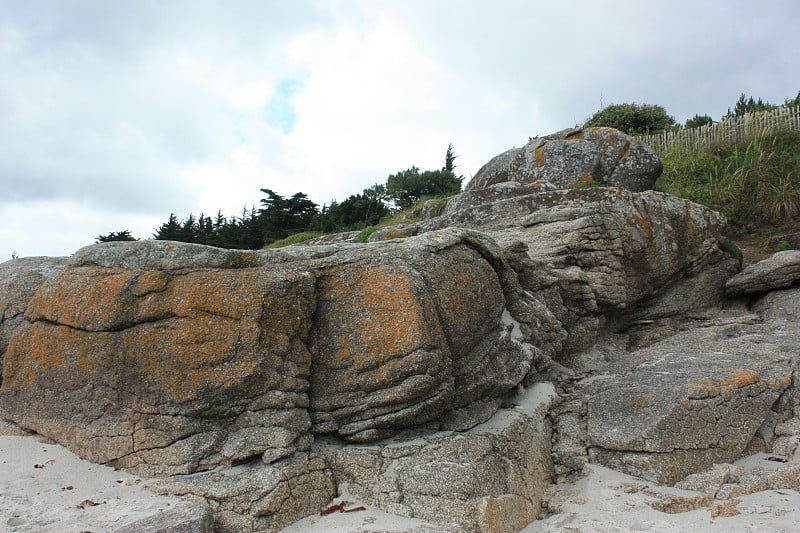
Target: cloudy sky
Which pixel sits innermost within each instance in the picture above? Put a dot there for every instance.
(113, 114)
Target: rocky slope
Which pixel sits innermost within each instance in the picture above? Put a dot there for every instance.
(450, 370)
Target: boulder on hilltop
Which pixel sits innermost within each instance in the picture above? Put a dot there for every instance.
(575, 157)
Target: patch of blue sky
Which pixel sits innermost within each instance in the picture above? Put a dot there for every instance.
(279, 111)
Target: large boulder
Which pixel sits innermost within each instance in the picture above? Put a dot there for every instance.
(135, 355)
(398, 342)
(165, 372)
(575, 157)
(248, 377)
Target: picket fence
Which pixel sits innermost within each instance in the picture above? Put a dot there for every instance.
(729, 129)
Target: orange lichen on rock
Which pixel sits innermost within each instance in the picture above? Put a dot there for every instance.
(397, 233)
(538, 156)
(724, 385)
(383, 316)
(690, 230)
(153, 334)
(704, 388)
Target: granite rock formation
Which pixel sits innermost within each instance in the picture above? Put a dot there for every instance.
(449, 369)
(575, 157)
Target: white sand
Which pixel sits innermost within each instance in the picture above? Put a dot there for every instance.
(608, 501)
(51, 497)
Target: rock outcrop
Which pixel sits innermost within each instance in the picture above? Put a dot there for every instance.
(426, 372)
(778, 271)
(489, 478)
(164, 368)
(694, 399)
(575, 157)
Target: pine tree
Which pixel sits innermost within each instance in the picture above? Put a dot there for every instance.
(169, 231)
(124, 235)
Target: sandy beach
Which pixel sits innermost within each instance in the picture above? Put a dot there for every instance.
(45, 487)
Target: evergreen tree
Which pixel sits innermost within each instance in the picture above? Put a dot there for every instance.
(188, 231)
(169, 231)
(449, 160)
(408, 186)
(279, 217)
(356, 212)
(746, 105)
(124, 235)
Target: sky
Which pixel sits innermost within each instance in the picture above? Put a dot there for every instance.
(115, 114)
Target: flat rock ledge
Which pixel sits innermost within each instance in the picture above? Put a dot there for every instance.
(778, 271)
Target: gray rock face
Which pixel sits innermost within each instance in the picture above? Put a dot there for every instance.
(692, 400)
(187, 519)
(256, 496)
(778, 271)
(490, 478)
(574, 157)
(599, 259)
(399, 342)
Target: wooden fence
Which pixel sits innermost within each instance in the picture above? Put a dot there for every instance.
(725, 130)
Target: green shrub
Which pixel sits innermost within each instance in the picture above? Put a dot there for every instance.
(782, 246)
(633, 119)
(698, 121)
(730, 247)
(586, 184)
(364, 234)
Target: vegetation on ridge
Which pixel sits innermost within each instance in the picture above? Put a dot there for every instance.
(754, 180)
(282, 221)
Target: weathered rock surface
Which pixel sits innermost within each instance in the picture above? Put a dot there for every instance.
(778, 271)
(600, 259)
(490, 478)
(143, 369)
(19, 279)
(689, 401)
(197, 519)
(257, 496)
(574, 157)
(399, 341)
(152, 363)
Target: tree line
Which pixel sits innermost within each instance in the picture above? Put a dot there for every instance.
(278, 217)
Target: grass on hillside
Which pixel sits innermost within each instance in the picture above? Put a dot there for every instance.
(754, 182)
(295, 238)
